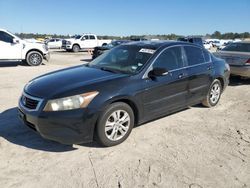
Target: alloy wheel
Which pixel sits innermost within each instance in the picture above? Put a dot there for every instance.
(117, 125)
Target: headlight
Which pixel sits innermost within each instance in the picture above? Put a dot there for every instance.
(45, 47)
(68, 42)
(69, 103)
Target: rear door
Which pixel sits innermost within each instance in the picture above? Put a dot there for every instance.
(199, 70)
(168, 92)
(93, 41)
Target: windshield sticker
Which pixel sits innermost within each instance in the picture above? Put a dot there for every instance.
(149, 51)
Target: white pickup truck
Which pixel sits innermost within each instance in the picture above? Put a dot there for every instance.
(85, 41)
(12, 48)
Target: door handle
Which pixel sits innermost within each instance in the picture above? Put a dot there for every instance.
(181, 75)
(209, 67)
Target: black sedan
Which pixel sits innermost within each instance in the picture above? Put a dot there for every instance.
(129, 85)
(101, 49)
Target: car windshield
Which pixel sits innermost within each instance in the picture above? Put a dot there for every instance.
(77, 36)
(14, 35)
(128, 59)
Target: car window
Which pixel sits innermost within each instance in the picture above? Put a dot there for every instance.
(5, 37)
(92, 37)
(239, 47)
(206, 56)
(194, 55)
(85, 37)
(170, 59)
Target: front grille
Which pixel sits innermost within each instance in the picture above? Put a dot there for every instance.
(64, 42)
(30, 102)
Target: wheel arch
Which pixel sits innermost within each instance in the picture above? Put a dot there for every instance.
(76, 45)
(125, 100)
(32, 50)
(132, 105)
(221, 81)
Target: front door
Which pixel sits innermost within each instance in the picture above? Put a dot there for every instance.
(8, 49)
(166, 93)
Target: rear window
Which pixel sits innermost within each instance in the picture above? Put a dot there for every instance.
(238, 47)
(194, 55)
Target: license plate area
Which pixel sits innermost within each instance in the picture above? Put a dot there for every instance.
(21, 115)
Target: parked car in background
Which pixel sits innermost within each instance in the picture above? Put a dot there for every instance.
(101, 49)
(86, 41)
(237, 55)
(12, 48)
(207, 45)
(216, 43)
(131, 84)
(224, 45)
(54, 43)
(191, 39)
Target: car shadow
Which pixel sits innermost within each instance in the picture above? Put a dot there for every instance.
(12, 63)
(15, 64)
(13, 130)
(86, 60)
(237, 81)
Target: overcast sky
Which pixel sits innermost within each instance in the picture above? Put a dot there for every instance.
(125, 17)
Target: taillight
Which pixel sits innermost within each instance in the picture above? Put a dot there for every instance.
(248, 62)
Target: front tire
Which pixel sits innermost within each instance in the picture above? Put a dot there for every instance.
(115, 124)
(213, 95)
(76, 48)
(34, 58)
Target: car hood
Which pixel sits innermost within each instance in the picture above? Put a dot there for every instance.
(71, 39)
(68, 80)
(33, 44)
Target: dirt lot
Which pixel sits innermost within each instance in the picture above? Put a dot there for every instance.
(197, 147)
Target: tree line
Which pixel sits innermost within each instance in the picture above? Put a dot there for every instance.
(216, 34)
(229, 35)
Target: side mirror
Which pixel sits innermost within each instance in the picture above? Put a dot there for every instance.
(83, 38)
(15, 41)
(157, 72)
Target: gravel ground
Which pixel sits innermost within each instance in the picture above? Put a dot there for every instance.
(197, 147)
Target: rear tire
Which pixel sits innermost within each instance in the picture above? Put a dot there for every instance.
(34, 58)
(115, 124)
(213, 95)
(76, 48)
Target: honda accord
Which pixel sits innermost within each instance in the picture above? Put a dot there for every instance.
(131, 84)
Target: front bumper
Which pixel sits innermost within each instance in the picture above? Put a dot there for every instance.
(67, 47)
(46, 56)
(66, 127)
(243, 71)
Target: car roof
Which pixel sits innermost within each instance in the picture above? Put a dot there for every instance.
(157, 44)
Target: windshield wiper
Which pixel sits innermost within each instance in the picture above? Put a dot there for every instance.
(109, 70)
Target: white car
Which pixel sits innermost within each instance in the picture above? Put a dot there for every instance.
(54, 43)
(86, 41)
(207, 45)
(12, 48)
